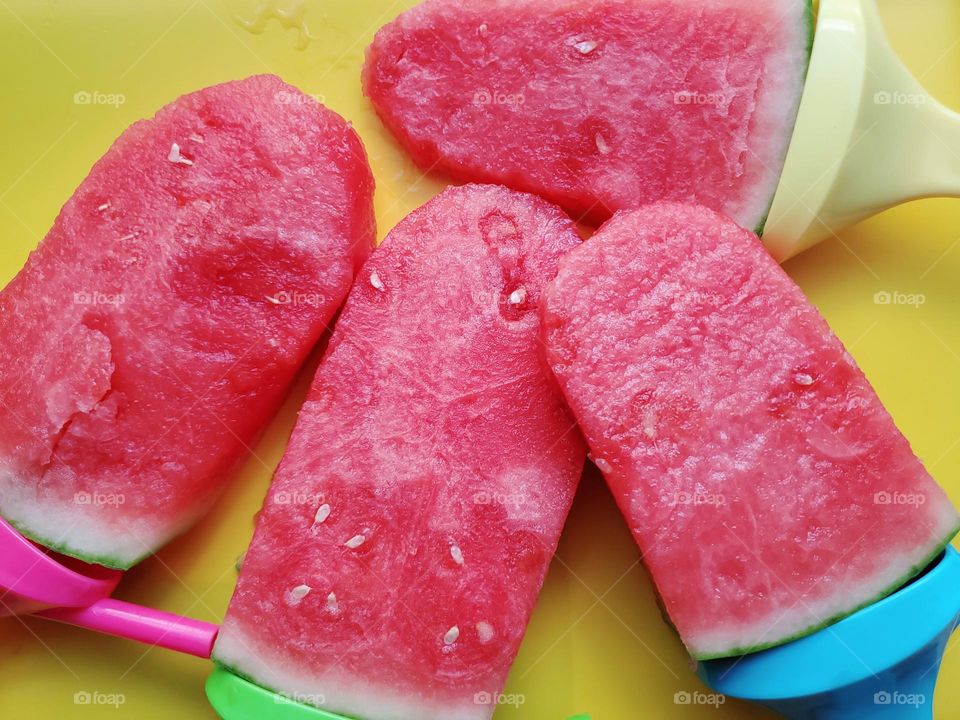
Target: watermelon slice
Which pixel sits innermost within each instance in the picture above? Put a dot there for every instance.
(769, 490)
(599, 105)
(161, 320)
(409, 526)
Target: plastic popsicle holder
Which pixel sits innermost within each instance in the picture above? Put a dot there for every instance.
(880, 662)
(868, 135)
(35, 581)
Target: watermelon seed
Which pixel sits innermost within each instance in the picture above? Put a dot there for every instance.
(457, 554)
(451, 637)
(103, 207)
(586, 47)
(517, 296)
(602, 145)
(803, 379)
(332, 604)
(485, 631)
(174, 156)
(482, 29)
(649, 426)
(602, 465)
(196, 138)
(297, 594)
(323, 512)
(355, 542)
(376, 281)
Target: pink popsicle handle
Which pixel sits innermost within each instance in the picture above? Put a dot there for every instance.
(134, 622)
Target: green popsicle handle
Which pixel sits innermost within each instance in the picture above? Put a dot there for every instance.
(237, 699)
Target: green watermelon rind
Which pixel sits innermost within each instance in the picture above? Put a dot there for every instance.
(810, 26)
(107, 561)
(899, 583)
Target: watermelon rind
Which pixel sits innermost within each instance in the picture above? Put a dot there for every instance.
(899, 583)
(810, 25)
(107, 561)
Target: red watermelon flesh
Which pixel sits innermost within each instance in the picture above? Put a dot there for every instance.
(767, 487)
(159, 323)
(599, 105)
(411, 521)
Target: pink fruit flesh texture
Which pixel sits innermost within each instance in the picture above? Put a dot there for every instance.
(766, 485)
(435, 431)
(160, 321)
(598, 105)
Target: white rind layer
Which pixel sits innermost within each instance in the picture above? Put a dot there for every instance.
(336, 692)
(86, 527)
(781, 90)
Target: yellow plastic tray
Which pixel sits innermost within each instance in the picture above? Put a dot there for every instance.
(596, 643)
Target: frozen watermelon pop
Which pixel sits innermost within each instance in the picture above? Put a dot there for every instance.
(605, 104)
(766, 485)
(599, 104)
(159, 323)
(409, 526)
(768, 489)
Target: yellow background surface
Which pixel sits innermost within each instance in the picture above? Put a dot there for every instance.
(596, 643)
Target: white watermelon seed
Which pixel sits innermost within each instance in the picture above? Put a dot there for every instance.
(457, 554)
(196, 138)
(649, 425)
(517, 296)
(323, 512)
(332, 604)
(355, 542)
(297, 594)
(103, 207)
(602, 145)
(451, 636)
(603, 465)
(482, 29)
(586, 46)
(376, 281)
(174, 156)
(803, 379)
(485, 631)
